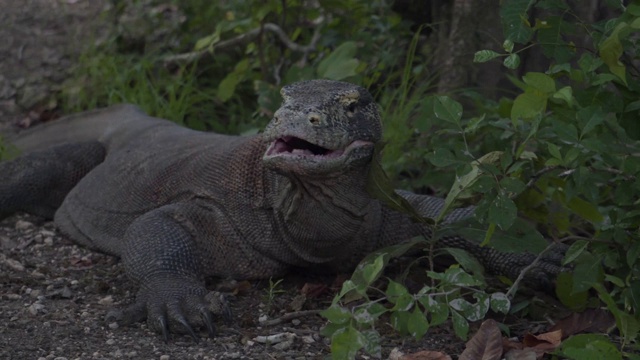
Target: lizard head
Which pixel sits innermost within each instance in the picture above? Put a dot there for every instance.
(322, 127)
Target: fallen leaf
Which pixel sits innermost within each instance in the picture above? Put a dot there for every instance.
(543, 343)
(426, 355)
(521, 354)
(589, 321)
(486, 344)
(312, 291)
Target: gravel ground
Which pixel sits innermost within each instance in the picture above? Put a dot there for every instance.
(54, 295)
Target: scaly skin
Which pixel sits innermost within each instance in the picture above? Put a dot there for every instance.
(178, 205)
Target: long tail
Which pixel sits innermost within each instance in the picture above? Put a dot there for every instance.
(86, 126)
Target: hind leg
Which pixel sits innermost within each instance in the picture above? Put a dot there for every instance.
(38, 182)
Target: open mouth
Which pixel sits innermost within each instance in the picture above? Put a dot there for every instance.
(296, 146)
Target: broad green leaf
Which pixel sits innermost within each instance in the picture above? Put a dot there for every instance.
(565, 94)
(346, 343)
(467, 261)
(455, 276)
(484, 56)
(442, 157)
(512, 61)
(417, 325)
(447, 109)
(576, 301)
(399, 321)
(340, 63)
(539, 81)
(515, 26)
(372, 343)
(227, 86)
(589, 347)
(500, 302)
(554, 150)
(585, 210)
(438, 311)
(207, 41)
(464, 182)
(502, 211)
(336, 314)
(371, 272)
(460, 325)
(507, 45)
(574, 251)
(552, 41)
(610, 51)
(528, 105)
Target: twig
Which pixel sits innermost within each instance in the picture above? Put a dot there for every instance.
(305, 49)
(289, 316)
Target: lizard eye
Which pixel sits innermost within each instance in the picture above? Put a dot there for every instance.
(352, 107)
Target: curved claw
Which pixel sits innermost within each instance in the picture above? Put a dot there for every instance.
(189, 329)
(164, 326)
(208, 322)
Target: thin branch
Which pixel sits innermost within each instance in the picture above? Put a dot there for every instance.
(242, 38)
(289, 316)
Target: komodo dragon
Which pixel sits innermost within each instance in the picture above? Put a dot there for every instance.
(178, 205)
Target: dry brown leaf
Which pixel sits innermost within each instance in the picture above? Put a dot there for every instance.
(521, 354)
(589, 321)
(486, 344)
(426, 355)
(543, 343)
(312, 291)
(552, 337)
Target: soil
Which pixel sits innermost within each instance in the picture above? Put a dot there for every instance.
(54, 295)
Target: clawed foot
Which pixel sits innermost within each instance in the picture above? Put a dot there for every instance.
(172, 306)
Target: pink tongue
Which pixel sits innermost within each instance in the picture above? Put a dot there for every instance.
(301, 152)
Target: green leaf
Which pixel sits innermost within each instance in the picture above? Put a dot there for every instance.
(372, 343)
(576, 301)
(371, 272)
(346, 342)
(340, 64)
(589, 347)
(227, 86)
(439, 311)
(528, 105)
(610, 51)
(500, 302)
(507, 45)
(455, 276)
(460, 325)
(467, 261)
(502, 211)
(515, 26)
(336, 314)
(565, 94)
(512, 61)
(554, 150)
(574, 251)
(540, 81)
(447, 109)
(484, 56)
(585, 210)
(417, 324)
(552, 42)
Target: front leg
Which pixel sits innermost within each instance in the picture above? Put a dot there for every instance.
(165, 256)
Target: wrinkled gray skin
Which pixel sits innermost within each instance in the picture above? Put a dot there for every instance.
(178, 205)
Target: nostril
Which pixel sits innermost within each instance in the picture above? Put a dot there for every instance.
(276, 119)
(314, 119)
